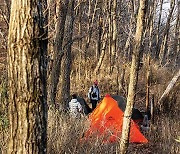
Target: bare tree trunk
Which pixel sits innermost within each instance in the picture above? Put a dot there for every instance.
(152, 109)
(128, 45)
(177, 36)
(90, 27)
(163, 49)
(114, 34)
(62, 7)
(66, 69)
(147, 83)
(104, 39)
(133, 76)
(152, 14)
(80, 41)
(109, 8)
(100, 30)
(159, 24)
(8, 8)
(27, 75)
(120, 79)
(98, 66)
(169, 87)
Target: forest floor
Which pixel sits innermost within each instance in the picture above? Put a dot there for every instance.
(161, 140)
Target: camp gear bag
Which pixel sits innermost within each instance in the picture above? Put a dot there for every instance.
(94, 95)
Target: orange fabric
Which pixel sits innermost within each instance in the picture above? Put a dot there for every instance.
(107, 119)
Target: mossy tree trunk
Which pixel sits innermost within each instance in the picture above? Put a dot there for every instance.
(27, 49)
(133, 76)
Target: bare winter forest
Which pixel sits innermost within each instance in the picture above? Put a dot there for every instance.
(51, 49)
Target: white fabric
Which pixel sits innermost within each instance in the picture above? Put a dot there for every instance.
(75, 108)
(94, 90)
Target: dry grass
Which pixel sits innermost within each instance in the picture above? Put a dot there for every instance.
(3, 113)
(164, 133)
(64, 133)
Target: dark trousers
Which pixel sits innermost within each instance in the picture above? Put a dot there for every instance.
(94, 103)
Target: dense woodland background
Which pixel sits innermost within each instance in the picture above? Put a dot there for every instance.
(94, 39)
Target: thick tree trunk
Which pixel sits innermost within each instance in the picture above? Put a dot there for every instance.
(133, 77)
(27, 75)
(66, 69)
(62, 7)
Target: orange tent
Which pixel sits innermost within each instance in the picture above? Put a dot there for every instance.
(107, 119)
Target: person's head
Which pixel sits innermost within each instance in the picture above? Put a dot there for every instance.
(96, 82)
(74, 96)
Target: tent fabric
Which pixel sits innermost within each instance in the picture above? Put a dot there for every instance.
(106, 121)
(136, 114)
(86, 108)
(121, 101)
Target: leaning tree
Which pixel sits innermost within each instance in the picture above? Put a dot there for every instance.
(27, 49)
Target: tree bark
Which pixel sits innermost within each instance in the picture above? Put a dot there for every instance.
(151, 19)
(177, 35)
(27, 75)
(128, 45)
(163, 49)
(104, 40)
(133, 76)
(147, 83)
(62, 7)
(152, 109)
(120, 79)
(158, 29)
(98, 66)
(109, 8)
(99, 39)
(8, 8)
(170, 87)
(90, 27)
(80, 27)
(66, 69)
(114, 34)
